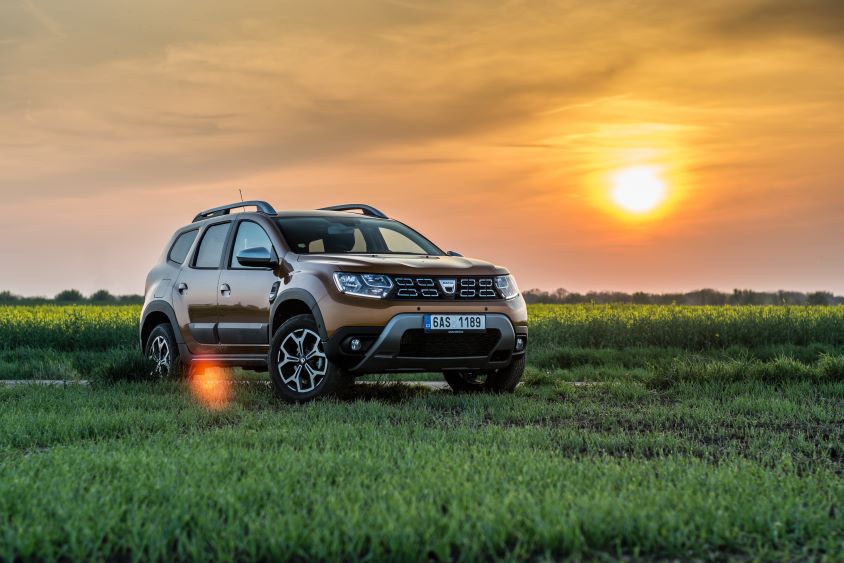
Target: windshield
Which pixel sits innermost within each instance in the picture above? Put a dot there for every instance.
(352, 235)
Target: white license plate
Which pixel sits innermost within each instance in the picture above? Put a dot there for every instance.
(454, 323)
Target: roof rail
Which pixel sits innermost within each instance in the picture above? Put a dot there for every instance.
(365, 209)
(262, 206)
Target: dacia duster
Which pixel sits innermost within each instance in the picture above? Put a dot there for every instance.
(320, 297)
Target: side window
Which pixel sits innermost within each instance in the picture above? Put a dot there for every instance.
(179, 250)
(211, 247)
(249, 235)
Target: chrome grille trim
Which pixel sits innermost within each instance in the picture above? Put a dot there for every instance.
(445, 288)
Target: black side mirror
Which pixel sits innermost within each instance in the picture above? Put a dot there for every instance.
(258, 257)
(453, 253)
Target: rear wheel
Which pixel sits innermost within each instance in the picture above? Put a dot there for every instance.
(502, 380)
(299, 368)
(163, 352)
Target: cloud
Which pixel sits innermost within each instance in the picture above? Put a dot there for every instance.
(509, 108)
(43, 18)
(214, 110)
(814, 19)
(218, 93)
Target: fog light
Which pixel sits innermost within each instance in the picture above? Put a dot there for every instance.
(520, 343)
(355, 345)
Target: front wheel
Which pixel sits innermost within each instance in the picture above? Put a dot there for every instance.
(502, 380)
(299, 368)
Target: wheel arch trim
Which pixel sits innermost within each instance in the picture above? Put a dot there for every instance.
(158, 307)
(306, 297)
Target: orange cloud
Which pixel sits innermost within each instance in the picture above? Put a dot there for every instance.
(493, 127)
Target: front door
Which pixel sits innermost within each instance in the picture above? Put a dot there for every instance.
(244, 304)
(196, 295)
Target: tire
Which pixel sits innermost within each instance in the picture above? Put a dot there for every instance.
(502, 380)
(299, 369)
(163, 351)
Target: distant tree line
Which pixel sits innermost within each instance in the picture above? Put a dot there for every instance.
(70, 297)
(698, 297)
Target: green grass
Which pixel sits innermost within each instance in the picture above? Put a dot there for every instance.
(698, 470)
(49, 363)
(702, 433)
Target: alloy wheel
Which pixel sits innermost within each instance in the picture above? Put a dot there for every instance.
(159, 353)
(301, 360)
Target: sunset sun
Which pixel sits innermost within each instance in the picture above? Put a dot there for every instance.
(638, 190)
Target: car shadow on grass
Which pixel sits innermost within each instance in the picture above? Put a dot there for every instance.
(254, 395)
(388, 392)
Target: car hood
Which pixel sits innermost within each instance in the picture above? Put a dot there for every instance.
(400, 264)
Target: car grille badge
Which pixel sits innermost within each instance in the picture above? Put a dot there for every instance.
(449, 286)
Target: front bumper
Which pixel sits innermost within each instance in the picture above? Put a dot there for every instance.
(388, 348)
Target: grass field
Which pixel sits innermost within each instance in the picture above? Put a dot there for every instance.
(685, 446)
(74, 341)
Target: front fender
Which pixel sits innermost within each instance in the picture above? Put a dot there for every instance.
(306, 297)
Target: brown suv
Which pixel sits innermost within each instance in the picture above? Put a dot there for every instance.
(319, 297)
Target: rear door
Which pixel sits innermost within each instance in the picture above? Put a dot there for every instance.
(195, 296)
(244, 303)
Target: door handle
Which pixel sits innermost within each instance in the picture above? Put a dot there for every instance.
(183, 287)
(225, 289)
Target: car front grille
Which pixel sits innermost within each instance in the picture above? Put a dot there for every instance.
(463, 288)
(416, 343)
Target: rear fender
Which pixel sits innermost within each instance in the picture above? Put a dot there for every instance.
(159, 306)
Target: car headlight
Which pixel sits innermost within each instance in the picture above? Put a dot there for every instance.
(363, 285)
(506, 285)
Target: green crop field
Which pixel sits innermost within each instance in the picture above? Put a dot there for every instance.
(700, 433)
(94, 327)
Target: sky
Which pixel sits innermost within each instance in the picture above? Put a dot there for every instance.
(498, 129)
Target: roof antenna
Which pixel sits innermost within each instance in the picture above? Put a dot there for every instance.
(241, 194)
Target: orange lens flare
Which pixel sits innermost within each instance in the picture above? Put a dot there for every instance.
(211, 387)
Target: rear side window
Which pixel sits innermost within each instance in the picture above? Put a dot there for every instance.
(179, 250)
(211, 247)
